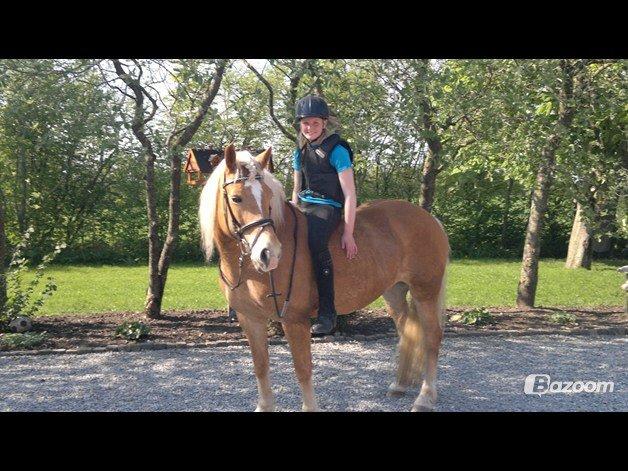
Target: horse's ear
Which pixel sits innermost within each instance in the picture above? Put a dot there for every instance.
(230, 157)
(265, 159)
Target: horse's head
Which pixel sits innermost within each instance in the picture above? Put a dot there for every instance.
(243, 201)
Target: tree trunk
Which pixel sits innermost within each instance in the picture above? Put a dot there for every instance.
(377, 164)
(3, 255)
(22, 195)
(506, 213)
(174, 206)
(430, 133)
(428, 180)
(155, 286)
(580, 246)
(175, 144)
(526, 291)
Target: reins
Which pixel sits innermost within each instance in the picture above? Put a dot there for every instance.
(246, 248)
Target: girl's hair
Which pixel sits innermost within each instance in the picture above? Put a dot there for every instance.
(333, 125)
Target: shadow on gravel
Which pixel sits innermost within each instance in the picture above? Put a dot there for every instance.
(475, 374)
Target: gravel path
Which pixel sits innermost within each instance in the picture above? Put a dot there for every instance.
(475, 374)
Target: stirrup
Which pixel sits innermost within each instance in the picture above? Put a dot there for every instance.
(324, 325)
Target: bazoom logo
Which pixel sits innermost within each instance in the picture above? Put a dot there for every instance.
(541, 384)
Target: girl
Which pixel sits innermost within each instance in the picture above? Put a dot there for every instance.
(323, 185)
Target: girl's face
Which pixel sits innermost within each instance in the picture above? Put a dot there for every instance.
(312, 128)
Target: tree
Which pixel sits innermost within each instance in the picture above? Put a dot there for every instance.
(437, 104)
(580, 246)
(192, 104)
(59, 142)
(3, 255)
(566, 91)
(596, 167)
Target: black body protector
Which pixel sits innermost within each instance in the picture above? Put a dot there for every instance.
(319, 178)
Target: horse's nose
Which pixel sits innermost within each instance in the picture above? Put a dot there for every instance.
(265, 257)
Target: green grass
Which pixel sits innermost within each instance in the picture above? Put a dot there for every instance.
(473, 283)
(494, 283)
(106, 288)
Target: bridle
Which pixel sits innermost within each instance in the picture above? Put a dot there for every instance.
(246, 248)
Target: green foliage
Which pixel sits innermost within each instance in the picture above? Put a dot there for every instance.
(562, 318)
(593, 164)
(132, 330)
(21, 341)
(84, 171)
(479, 316)
(60, 140)
(20, 300)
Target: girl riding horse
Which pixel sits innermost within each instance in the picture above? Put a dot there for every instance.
(323, 185)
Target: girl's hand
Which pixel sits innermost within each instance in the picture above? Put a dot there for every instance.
(348, 243)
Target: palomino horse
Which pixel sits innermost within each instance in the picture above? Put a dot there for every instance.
(244, 214)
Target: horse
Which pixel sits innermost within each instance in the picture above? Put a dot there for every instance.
(245, 216)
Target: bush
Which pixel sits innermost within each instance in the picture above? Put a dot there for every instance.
(19, 299)
(478, 316)
(21, 341)
(562, 318)
(132, 330)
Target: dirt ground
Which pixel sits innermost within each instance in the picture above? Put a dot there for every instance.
(97, 330)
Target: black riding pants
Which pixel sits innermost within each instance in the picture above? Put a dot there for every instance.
(322, 220)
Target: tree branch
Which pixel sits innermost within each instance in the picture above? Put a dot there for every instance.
(186, 133)
(271, 105)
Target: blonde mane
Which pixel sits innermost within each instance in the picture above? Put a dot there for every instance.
(210, 194)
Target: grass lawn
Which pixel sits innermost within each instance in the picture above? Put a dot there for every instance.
(486, 282)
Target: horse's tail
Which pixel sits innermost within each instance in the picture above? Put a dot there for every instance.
(443, 286)
(442, 307)
(411, 352)
(412, 345)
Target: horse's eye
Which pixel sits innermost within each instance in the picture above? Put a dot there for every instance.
(236, 199)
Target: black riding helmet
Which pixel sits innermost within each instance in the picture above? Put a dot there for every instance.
(311, 106)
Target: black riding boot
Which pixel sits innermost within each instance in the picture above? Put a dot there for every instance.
(326, 322)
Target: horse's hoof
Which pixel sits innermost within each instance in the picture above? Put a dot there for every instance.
(396, 390)
(265, 409)
(423, 404)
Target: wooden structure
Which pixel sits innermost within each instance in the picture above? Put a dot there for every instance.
(200, 163)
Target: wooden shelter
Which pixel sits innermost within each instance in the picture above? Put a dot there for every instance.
(200, 163)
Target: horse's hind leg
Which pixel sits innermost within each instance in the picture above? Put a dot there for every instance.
(397, 307)
(255, 331)
(429, 313)
(396, 303)
(299, 339)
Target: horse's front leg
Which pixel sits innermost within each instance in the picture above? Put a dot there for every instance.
(255, 331)
(298, 335)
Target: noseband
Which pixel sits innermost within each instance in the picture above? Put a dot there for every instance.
(246, 248)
